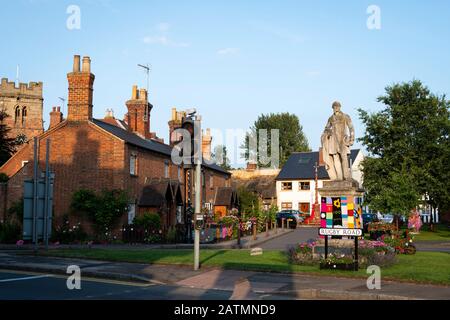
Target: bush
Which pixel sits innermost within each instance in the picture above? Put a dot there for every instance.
(10, 232)
(104, 209)
(3, 177)
(171, 235)
(149, 221)
(16, 211)
(67, 234)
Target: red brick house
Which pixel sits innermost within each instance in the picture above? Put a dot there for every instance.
(98, 154)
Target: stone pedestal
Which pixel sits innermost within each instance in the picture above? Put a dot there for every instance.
(345, 188)
(341, 204)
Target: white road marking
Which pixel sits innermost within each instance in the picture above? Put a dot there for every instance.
(26, 278)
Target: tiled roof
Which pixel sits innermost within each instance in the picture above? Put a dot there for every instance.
(157, 192)
(226, 196)
(151, 145)
(300, 165)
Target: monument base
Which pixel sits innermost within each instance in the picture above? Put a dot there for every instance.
(341, 188)
(341, 204)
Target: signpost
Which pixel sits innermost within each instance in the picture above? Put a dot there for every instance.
(38, 202)
(342, 232)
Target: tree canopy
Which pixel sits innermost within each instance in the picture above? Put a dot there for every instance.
(410, 150)
(220, 157)
(7, 145)
(292, 138)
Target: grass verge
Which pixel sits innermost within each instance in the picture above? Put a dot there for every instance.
(423, 267)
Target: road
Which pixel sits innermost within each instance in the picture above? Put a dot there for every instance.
(299, 235)
(15, 285)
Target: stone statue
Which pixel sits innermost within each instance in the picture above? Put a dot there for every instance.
(337, 138)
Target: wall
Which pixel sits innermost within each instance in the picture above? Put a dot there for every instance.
(26, 95)
(295, 196)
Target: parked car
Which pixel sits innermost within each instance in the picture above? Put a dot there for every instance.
(368, 218)
(295, 215)
(390, 218)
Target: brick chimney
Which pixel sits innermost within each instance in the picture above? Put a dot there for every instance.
(139, 113)
(81, 87)
(206, 144)
(175, 123)
(56, 117)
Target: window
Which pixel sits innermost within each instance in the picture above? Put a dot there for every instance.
(286, 206)
(17, 114)
(131, 212)
(180, 215)
(133, 164)
(166, 169)
(203, 179)
(286, 186)
(304, 185)
(211, 182)
(24, 115)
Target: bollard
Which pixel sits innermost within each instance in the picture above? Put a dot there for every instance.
(254, 231)
(282, 224)
(267, 229)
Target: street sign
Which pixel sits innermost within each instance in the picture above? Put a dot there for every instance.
(40, 214)
(340, 232)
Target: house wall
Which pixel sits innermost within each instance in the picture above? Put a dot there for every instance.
(81, 156)
(297, 196)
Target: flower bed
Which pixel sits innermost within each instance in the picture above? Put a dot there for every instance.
(369, 253)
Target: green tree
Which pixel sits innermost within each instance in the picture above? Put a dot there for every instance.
(248, 200)
(220, 157)
(103, 209)
(7, 145)
(410, 151)
(292, 138)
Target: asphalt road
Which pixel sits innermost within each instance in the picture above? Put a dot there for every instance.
(33, 286)
(28, 286)
(299, 235)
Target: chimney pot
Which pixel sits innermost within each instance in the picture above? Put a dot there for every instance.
(143, 94)
(134, 94)
(86, 65)
(58, 109)
(76, 63)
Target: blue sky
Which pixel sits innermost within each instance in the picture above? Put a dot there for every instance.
(232, 60)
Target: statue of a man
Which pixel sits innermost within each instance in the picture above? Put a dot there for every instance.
(337, 138)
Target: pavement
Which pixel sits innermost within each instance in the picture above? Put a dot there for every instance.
(182, 280)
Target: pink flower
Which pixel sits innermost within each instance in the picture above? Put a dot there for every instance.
(20, 243)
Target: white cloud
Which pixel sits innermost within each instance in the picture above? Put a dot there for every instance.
(228, 51)
(162, 37)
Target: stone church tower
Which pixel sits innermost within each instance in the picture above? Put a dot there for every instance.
(24, 105)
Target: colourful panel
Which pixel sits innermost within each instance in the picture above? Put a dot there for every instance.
(351, 222)
(344, 212)
(329, 219)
